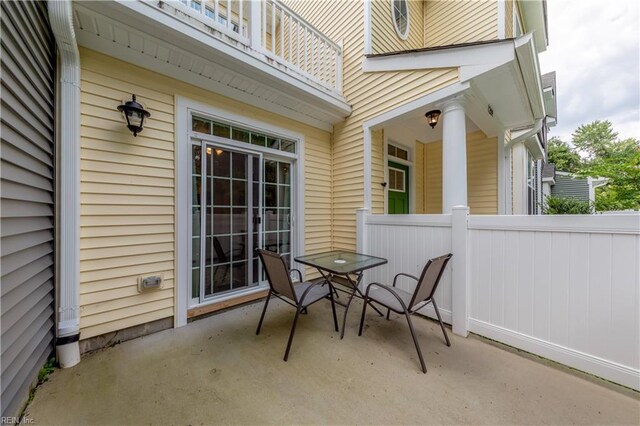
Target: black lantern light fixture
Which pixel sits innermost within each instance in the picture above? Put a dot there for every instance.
(432, 117)
(135, 115)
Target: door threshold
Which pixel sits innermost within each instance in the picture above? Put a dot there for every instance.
(227, 303)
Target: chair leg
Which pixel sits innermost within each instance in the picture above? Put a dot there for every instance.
(415, 341)
(388, 312)
(264, 311)
(444, 331)
(333, 309)
(293, 330)
(364, 309)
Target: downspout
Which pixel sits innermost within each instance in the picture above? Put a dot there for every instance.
(68, 323)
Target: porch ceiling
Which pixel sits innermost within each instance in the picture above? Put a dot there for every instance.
(217, 371)
(414, 128)
(502, 76)
(141, 34)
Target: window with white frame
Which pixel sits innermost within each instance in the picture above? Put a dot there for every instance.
(397, 152)
(532, 185)
(400, 16)
(396, 180)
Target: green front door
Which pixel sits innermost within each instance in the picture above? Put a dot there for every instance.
(398, 188)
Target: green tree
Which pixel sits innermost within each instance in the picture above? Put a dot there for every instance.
(594, 140)
(561, 154)
(620, 164)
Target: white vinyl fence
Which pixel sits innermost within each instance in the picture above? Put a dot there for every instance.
(563, 287)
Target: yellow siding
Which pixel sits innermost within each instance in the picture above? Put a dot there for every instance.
(377, 172)
(128, 191)
(482, 175)
(418, 164)
(369, 94)
(384, 37)
(433, 178)
(508, 30)
(459, 21)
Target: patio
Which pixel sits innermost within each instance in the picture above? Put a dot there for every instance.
(217, 370)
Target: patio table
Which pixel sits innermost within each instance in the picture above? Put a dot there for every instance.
(343, 264)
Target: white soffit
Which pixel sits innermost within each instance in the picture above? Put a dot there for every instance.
(113, 29)
(503, 74)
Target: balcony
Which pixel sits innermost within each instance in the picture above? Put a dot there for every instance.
(260, 52)
(271, 29)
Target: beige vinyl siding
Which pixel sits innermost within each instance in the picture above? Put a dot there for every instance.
(384, 37)
(433, 178)
(128, 191)
(377, 172)
(482, 175)
(127, 204)
(370, 95)
(459, 21)
(508, 26)
(419, 177)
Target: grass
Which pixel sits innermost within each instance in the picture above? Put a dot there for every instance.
(48, 368)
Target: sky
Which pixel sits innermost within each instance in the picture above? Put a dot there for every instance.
(594, 47)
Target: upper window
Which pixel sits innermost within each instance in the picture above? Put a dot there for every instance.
(397, 152)
(400, 15)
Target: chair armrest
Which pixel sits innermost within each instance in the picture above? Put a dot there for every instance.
(298, 271)
(403, 275)
(390, 290)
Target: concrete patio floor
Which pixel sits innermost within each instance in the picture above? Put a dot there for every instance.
(217, 371)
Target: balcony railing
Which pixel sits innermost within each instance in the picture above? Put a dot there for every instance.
(270, 29)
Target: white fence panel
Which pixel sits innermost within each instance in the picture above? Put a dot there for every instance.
(566, 288)
(408, 242)
(563, 287)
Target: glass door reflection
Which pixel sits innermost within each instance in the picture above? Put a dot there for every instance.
(225, 225)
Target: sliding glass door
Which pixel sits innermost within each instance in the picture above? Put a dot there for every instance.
(241, 200)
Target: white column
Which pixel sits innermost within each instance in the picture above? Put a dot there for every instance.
(454, 155)
(256, 21)
(459, 268)
(68, 281)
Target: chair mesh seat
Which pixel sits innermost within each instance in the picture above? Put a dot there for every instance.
(316, 293)
(384, 297)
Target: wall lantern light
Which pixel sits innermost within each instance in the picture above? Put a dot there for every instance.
(432, 117)
(135, 115)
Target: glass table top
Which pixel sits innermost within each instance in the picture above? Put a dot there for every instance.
(341, 262)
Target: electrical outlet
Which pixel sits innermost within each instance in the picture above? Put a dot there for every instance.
(150, 282)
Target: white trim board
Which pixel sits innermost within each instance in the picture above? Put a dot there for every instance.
(184, 106)
(425, 220)
(592, 224)
(367, 27)
(606, 369)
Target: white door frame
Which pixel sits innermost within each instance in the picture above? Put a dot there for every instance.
(410, 163)
(184, 107)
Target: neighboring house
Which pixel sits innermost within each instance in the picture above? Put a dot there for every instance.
(271, 123)
(27, 198)
(568, 185)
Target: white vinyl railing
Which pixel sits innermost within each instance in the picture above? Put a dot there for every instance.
(273, 30)
(290, 39)
(229, 17)
(566, 288)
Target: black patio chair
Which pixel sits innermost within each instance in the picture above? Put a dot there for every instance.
(404, 302)
(299, 295)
